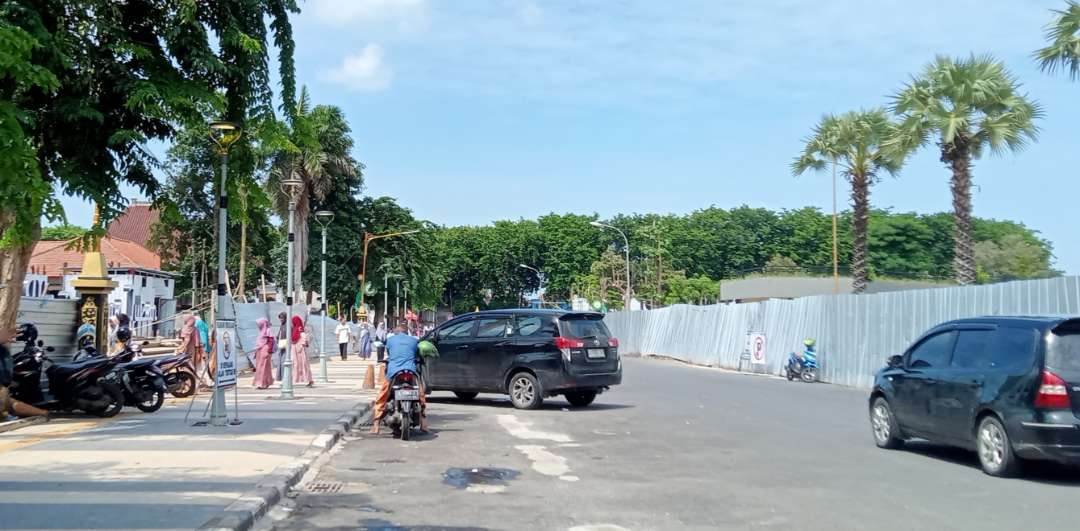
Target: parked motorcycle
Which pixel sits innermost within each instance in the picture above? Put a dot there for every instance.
(91, 385)
(404, 406)
(142, 379)
(803, 367)
(179, 376)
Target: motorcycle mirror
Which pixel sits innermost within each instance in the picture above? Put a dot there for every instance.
(50, 349)
(40, 343)
(895, 361)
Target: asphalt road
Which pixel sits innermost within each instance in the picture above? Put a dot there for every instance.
(674, 447)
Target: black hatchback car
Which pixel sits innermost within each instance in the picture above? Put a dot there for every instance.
(527, 354)
(1006, 387)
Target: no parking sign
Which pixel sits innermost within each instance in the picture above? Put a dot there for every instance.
(757, 349)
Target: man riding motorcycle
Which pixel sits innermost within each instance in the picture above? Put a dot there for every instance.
(401, 354)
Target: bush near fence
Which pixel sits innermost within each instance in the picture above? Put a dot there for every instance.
(854, 333)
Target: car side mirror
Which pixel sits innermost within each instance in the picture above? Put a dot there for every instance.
(895, 361)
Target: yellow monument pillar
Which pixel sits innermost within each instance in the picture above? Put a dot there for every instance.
(93, 286)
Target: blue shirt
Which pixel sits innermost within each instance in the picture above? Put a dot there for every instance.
(401, 352)
(204, 333)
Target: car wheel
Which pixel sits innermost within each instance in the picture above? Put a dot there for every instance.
(465, 396)
(525, 391)
(883, 422)
(994, 448)
(581, 398)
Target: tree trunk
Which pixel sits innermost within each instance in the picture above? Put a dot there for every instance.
(958, 156)
(13, 264)
(860, 223)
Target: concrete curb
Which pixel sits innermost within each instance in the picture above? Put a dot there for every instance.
(22, 423)
(253, 504)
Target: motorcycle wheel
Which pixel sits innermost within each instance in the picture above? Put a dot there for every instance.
(406, 419)
(185, 385)
(809, 375)
(156, 401)
(790, 376)
(116, 402)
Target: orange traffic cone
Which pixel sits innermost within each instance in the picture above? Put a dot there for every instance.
(369, 378)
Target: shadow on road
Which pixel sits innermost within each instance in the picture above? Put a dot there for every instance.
(1047, 472)
(551, 404)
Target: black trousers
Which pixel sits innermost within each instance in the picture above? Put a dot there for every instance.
(343, 348)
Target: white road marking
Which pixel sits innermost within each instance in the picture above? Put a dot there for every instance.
(569, 478)
(544, 461)
(599, 527)
(524, 430)
(486, 489)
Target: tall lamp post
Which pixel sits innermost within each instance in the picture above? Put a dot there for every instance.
(368, 238)
(292, 186)
(324, 217)
(627, 242)
(224, 134)
(539, 279)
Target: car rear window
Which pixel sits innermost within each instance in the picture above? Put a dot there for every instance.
(585, 326)
(1013, 349)
(1063, 350)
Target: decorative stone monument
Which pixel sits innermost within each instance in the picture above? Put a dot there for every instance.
(93, 287)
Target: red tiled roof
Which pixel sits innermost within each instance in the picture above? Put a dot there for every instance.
(134, 224)
(52, 258)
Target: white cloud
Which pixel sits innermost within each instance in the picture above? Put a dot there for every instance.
(363, 71)
(407, 14)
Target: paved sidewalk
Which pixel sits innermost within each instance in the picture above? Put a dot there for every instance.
(151, 470)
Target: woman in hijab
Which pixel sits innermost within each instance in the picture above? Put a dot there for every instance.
(264, 377)
(204, 346)
(365, 341)
(301, 367)
(189, 342)
(380, 340)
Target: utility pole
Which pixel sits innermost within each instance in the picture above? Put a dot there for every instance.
(835, 244)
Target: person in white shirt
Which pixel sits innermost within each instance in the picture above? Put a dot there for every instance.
(344, 336)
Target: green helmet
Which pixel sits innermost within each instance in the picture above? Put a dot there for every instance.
(809, 342)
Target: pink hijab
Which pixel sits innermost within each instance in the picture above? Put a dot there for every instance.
(265, 334)
(189, 333)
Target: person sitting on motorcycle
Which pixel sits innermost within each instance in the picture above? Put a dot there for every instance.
(810, 354)
(401, 354)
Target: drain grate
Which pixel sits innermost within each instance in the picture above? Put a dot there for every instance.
(325, 487)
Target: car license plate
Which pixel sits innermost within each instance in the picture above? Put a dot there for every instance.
(407, 394)
(597, 354)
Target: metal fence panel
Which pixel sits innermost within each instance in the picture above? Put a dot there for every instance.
(854, 333)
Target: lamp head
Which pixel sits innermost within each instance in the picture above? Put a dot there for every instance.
(324, 217)
(224, 134)
(595, 223)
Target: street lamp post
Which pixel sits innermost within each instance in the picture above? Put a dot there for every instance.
(324, 217)
(539, 279)
(292, 186)
(368, 238)
(627, 242)
(224, 135)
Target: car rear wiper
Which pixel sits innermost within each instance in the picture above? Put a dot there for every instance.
(590, 336)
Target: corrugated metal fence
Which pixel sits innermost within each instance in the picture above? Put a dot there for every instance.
(854, 333)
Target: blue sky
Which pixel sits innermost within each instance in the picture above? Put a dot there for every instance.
(472, 111)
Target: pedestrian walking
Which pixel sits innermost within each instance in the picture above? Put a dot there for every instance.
(365, 341)
(301, 367)
(189, 344)
(264, 370)
(282, 346)
(380, 341)
(201, 366)
(344, 335)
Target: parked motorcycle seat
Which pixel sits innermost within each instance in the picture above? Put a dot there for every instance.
(70, 368)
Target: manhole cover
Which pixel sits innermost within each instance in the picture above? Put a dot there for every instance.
(325, 487)
(466, 477)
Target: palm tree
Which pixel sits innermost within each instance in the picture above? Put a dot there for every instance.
(969, 105)
(1064, 36)
(319, 155)
(854, 142)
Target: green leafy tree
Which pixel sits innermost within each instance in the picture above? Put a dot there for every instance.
(968, 105)
(1014, 257)
(62, 232)
(86, 88)
(1063, 34)
(855, 142)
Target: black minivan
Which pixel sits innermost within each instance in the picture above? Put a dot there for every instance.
(1006, 387)
(526, 353)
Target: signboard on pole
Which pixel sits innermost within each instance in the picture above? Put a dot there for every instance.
(757, 348)
(226, 350)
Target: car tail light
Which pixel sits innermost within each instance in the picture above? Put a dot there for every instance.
(613, 342)
(568, 343)
(1052, 392)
